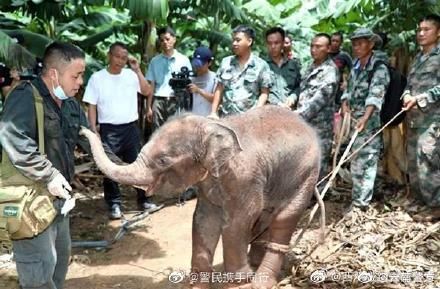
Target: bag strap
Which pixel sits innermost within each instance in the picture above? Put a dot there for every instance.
(40, 117)
(373, 70)
(38, 101)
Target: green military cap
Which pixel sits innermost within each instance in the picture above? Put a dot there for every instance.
(378, 42)
(362, 33)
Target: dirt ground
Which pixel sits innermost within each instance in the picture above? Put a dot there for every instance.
(161, 244)
(141, 259)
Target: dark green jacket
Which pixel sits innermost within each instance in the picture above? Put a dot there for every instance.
(286, 80)
(19, 134)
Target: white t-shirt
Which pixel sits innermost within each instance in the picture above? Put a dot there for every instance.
(207, 82)
(115, 96)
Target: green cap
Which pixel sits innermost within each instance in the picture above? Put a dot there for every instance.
(362, 33)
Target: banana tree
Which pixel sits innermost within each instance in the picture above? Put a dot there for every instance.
(13, 54)
(146, 14)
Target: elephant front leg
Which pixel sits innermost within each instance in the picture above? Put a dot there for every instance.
(235, 239)
(205, 236)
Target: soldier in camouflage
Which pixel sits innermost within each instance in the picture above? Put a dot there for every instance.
(364, 101)
(422, 100)
(244, 79)
(316, 102)
(286, 73)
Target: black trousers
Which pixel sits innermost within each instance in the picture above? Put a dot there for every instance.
(124, 140)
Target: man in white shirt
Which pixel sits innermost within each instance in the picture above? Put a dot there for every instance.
(204, 83)
(112, 95)
(159, 74)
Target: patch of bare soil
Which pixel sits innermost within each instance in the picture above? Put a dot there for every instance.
(382, 248)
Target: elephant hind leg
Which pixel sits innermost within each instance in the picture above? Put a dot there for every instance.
(280, 232)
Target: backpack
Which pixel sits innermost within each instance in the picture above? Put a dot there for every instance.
(393, 103)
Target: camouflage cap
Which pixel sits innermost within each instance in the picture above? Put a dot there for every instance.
(362, 33)
(378, 42)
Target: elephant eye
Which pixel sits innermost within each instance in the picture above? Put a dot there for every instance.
(162, 161)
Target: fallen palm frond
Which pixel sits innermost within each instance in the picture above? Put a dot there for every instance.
(380, 248)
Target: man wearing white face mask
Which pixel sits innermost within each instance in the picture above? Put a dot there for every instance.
(42, 261)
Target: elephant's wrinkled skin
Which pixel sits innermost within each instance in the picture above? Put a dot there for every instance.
(255, 172)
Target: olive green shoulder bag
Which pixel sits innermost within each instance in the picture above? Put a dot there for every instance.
(26, 207)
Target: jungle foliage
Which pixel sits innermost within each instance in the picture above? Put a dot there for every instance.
(94, 24)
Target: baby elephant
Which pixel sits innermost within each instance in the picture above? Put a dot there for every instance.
(255, 173)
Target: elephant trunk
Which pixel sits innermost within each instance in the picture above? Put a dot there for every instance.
(124, 174)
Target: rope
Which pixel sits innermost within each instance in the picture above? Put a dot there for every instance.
(344, 132)
(363, 145)
(327, 186)
(333, 173)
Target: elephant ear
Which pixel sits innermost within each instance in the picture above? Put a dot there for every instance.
(221, 144)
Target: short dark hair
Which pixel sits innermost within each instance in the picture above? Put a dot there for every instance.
(274, 30)
(117, 44)
(60, 53)
(165, 30)
(338, 33)
(432, 17)
(325, 35)
(249, 31)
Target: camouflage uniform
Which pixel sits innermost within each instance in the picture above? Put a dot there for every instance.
(286, 80)
(316, 104)
(424, 128)
(242, 87)
(360, 94)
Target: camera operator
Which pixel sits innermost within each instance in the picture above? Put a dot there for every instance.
(179, 83)
(8, 78)
(159, 74)
(204, 83)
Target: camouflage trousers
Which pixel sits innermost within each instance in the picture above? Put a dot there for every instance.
(163, 108)
(363, 168)
(424, 163)
(326, 137)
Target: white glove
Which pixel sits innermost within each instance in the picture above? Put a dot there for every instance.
(69, 204)
(59, 187)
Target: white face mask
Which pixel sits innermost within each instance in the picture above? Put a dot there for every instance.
(58, 91)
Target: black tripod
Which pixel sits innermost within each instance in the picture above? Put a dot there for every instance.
(184, 100)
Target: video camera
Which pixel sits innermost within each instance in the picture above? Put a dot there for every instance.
(26, 74)
(179, 82)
